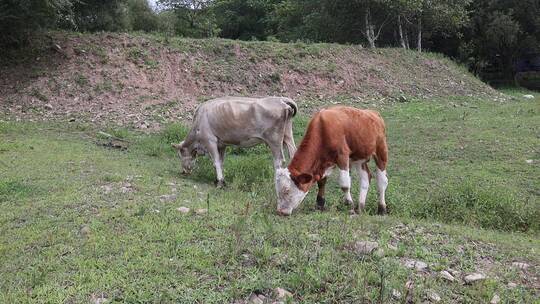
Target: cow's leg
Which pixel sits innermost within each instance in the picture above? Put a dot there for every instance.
(345, 178)
(382, 183)
(381, 159)
(274, 141)
(288, 139)
(363, 174)
(320, 195)
(215, 154)
(277, 154)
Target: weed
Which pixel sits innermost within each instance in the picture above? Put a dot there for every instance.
(37, 94)
(81, 80)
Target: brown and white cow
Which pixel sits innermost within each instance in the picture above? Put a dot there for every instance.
(338, 136)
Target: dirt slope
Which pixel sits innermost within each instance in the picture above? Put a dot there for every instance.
(145, 80)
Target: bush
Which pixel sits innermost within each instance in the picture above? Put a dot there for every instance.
(160, 145)
(476, 205)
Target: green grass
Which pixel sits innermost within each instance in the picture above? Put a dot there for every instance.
(79, 220)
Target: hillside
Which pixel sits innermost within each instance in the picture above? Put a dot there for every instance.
(87, 220)
(143, 80)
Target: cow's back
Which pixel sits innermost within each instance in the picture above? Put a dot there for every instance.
(350, 130)
(233, 119)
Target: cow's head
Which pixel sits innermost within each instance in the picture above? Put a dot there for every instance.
(187, 154)
(288, 193)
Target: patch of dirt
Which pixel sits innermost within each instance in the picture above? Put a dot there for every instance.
(132, 81)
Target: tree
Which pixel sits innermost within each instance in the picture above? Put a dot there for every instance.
(141, 16)
(195, 17)
(22, 19)
(376, 15)
(244, 19)
(101, 15)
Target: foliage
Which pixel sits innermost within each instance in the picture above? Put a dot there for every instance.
(142, 17)
(98, 15)
(239, 19)
(194, 18)
(20, 20)
(488, 35)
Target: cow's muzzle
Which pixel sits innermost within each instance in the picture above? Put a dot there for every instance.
(284, 212)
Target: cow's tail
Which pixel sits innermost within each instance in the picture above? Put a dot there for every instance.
(293, 106)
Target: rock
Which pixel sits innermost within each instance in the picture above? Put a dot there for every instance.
(48, 106)
(522, 266)
(454, 272)
(106, 189)
(314, 237)
(365, 247)
(167, 198)
(125, 189)
(85, 230)
(433, 296)
(409, 297)
(183, 209)
(418, 265)
(528, 96)
(254, 299)
(282, 293)
(396, 294)
(529, 161)
(495, 300)
(98, 299)
(474, 277)
(201, 211)
(447, 276)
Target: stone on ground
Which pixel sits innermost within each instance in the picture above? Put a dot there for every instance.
(447, 276)
(520, 265)
(282, 293)
(183, 209)
(418, 265)
(433, 296)
(201, 211)
(365, 247)
(474, 277)
(495, 300)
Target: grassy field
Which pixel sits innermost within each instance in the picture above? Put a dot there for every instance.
(83, 223)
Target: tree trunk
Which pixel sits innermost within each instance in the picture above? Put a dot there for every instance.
(407, 46)
(400, 30)
(369, 31)
(419, 43)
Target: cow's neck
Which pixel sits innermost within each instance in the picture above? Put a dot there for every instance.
(310, 158)
(191, 138)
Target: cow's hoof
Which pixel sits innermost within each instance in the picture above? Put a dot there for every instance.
(220, 184)
(320, 203)
(353, 212)
(381, 210)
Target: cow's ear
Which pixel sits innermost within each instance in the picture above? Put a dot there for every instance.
(304, 178)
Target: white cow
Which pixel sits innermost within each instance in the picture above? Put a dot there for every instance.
(238, 121)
